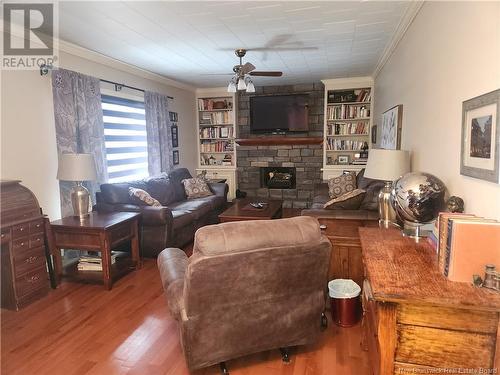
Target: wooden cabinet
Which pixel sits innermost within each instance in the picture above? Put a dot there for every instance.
(415, 320)
(22, 247)
(227, 174)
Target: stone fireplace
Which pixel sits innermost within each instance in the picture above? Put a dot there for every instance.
(307, 160)
(277, 177)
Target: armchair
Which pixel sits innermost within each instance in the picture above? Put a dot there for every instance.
(248, 287)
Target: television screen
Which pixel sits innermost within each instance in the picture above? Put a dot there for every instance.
(280, 113)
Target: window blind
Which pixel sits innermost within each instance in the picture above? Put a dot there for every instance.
(125, 138)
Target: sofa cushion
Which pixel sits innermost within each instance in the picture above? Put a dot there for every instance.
(162, 188)
(342, 184)
(348, 201)
(118, 193)
(176, 176)
(196, 188)
(143, 196)
(182, 218)
(216, 201)
(197, 207)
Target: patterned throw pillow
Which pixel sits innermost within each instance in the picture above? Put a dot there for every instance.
(342, 184)
(347, 201)
(196, 188)
(143, 196)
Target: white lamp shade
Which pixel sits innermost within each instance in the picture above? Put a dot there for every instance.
(241, 84)
(387, 165)
(250, 87)
(76, 167)
(231, 87)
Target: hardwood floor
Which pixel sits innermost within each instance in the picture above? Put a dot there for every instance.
(84, 329)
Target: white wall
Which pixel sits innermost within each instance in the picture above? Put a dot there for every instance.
(450, 53)
(28, 143)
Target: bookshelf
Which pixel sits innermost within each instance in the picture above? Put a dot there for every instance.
(347, 124)
(216, 132)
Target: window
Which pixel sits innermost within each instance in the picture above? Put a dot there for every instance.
(125, 138)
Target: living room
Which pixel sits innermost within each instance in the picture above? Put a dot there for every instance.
(191, 79)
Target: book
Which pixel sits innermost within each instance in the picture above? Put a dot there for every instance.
(473, 244)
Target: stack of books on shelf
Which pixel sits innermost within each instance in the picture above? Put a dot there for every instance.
(208, 104)
(466, 244)
(215, 118)
(216, 132)
(347, 111)
(364, 95)
(348, 128)
(93, 263)
(227, 160)
(358, 160)
(219, 146)
(343, 145)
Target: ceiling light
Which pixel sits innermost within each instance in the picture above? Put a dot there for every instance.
(250, 86)
(231, 87)
(241, 84)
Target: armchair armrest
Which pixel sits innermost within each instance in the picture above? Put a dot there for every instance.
(172, 263)
(219, 188)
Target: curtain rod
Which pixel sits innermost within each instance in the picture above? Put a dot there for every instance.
(44, 70)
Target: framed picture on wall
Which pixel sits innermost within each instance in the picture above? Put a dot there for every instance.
(390, 129)
(173, 116)
(481, 137)
(374, 134)
(175, 156)
(175, 135)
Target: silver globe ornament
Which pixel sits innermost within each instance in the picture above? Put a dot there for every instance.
(417, 198)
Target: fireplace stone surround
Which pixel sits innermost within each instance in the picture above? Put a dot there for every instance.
(306, 159)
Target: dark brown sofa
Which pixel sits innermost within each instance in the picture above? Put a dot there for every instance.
(248, 287)
(173, 224)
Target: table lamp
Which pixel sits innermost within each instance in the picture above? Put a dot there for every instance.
(388, 166)
(78, 168)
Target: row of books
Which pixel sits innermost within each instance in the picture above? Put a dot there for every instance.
(217, 132)
(227, 160)
(359, 161)
(340, 96)
(93, 262)
(216, 118)
(347, 128)
(208, 104)
(219, 146)
(347, 111)
(343, 144)
(465, 243)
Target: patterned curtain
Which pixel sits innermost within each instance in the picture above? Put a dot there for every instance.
(79, 126)
(158, 130)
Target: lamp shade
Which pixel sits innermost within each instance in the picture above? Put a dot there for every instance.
(387, 165)
(76, 167)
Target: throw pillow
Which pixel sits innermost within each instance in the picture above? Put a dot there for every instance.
(196, 188)
(347, 201)
(144, 197)
(342, 184)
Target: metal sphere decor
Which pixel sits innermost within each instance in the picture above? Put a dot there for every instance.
(418, 197)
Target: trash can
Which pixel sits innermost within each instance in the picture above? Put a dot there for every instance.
(344, 299)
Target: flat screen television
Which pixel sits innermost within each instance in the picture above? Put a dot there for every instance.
(279, 113)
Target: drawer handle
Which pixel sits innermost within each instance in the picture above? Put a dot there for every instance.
(21, 229)
(31, 260)
(22, 244)
(38, 239)
(33, 279)
(38, 225)
(3, 235)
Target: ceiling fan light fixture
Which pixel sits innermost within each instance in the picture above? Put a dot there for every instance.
(231, 87)
(250, 86)
(241, 84)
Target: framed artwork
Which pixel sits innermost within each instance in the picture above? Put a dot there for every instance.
(173, 116)
(390, 130)
(175, 135)
(175, 156)
(374, 134)
(343, 159)
(481, 137)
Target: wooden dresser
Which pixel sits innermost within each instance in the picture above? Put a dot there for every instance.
(415, 320)
(23, 262)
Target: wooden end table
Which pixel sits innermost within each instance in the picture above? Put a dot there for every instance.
(240, 211)
(100, 232)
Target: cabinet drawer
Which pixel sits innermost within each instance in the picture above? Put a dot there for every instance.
(36, 227)
(31, 281)
(29, 260)
(5, 235)
(36, 240)
(20, 245)
(20, 230)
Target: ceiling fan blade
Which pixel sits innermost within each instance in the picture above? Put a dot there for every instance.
(217, 74)
(266, 74)
(282, 49)
(247, 68)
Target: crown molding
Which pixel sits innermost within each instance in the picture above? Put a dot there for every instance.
(97, 57)
(405, 22)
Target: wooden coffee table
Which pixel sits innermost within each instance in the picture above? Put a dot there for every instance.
(241, 210)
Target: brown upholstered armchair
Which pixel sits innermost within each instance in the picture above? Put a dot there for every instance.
(249, 287)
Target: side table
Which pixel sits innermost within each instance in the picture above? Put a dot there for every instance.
(100, 232)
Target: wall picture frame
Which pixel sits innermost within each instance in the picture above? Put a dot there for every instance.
(480, 148)
(173, 116)
(174, 130)
(374, 134)
(175, 157)
(343, 159)
(390, 129)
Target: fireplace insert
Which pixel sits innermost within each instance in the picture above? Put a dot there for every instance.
(277, 177)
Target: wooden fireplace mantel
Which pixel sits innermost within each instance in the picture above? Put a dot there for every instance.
(273, 141)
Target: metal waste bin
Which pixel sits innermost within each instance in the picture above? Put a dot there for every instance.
(344, 299)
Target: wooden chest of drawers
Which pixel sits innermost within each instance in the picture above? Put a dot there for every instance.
(22, 240)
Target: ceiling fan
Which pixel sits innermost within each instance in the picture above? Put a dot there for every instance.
(241, 79)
